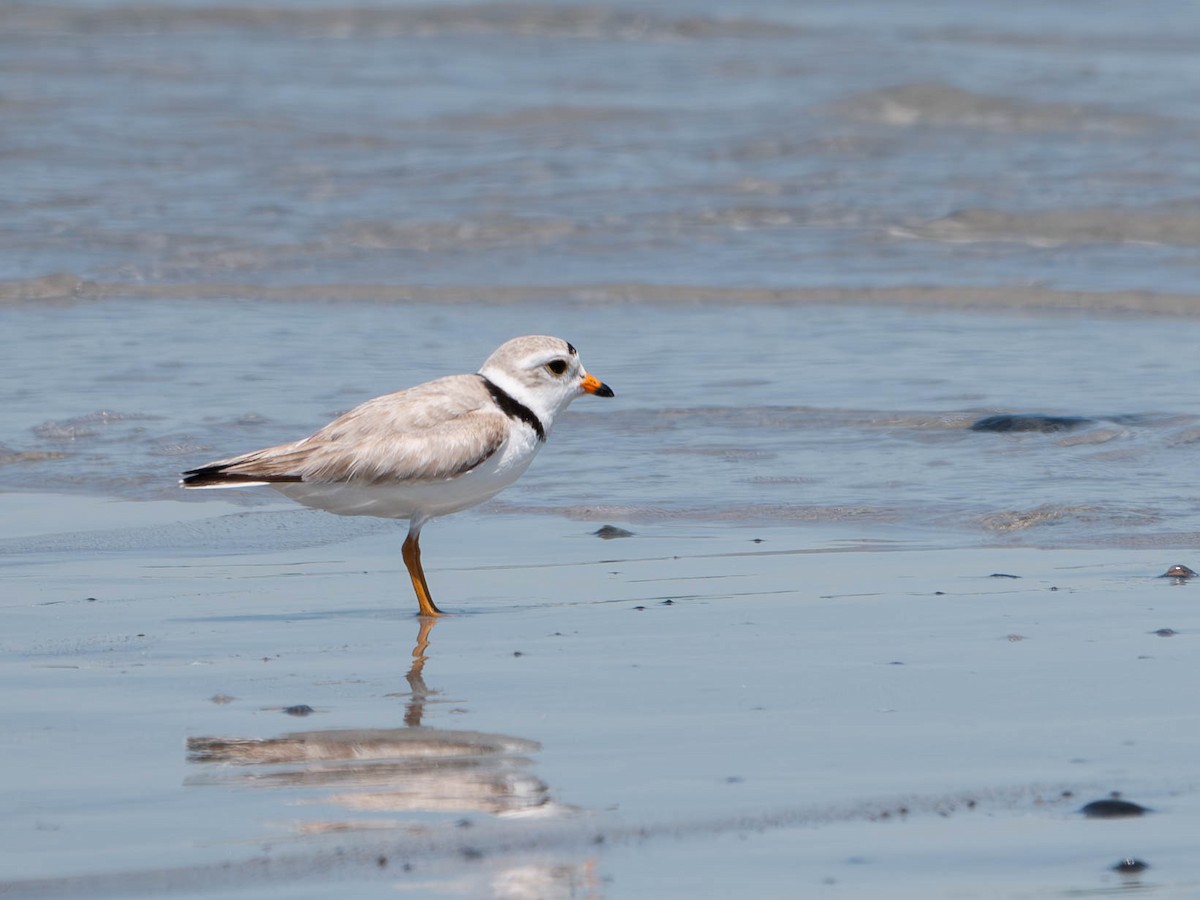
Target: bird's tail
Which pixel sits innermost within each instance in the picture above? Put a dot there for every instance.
(217, 477)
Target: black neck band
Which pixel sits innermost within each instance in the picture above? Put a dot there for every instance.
(514, 408)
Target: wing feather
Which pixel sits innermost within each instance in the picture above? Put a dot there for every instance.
(431, 432)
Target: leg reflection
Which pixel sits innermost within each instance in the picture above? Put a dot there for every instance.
(416, 681)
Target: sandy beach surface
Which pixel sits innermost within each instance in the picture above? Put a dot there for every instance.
(681, 712)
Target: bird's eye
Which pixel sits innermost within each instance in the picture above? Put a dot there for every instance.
(557, 366)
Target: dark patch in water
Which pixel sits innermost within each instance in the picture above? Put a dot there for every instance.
(1002, 575)
(1006, 422)
(1130, 866)
(610, 532)
(1178, 572)
(300, 709)
(1112, 808)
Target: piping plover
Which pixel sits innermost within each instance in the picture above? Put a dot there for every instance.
(427, 451)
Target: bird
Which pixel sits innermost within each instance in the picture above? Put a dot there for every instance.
(427, 451)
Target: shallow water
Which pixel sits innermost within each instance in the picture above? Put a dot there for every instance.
(763, 414)
(807, 247)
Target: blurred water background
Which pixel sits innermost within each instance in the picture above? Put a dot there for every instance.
(678, 144)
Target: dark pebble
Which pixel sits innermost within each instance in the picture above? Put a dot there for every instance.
(300, 709)
(1130, 866)
(1178, 572)
(1165, 632)
(608, 532)
(1002, 575)
(1029, 422)
(1112, 809)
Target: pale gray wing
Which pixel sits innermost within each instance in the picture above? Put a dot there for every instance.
(428, 433)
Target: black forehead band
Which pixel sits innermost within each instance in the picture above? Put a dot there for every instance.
(571, 349)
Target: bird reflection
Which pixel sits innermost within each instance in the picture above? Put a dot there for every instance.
(388, 770)
(388, 781)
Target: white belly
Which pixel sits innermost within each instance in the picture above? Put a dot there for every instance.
(422, 499)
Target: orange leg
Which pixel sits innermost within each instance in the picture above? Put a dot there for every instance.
(412, 561)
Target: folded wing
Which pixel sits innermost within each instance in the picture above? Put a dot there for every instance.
(431, 432)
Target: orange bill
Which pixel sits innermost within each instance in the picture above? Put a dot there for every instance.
(593, 385)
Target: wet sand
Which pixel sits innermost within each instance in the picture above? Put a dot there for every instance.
(676, 713)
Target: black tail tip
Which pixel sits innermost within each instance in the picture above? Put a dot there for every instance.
(198, 478)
